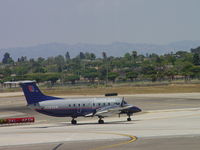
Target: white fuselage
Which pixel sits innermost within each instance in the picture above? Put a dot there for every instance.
(75, 107)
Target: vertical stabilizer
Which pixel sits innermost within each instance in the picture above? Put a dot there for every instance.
(33, 93)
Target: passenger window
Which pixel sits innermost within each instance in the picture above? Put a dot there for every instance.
(84, 105)
(108, 103)
(74, 105)
(104, 104)
(99, 104)
(79, 105)
(93, 104)
(69, 105)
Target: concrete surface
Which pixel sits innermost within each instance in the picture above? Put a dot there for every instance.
(11, 94)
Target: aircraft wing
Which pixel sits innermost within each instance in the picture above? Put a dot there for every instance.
(109, 110)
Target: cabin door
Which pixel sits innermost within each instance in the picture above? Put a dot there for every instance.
(79, 108)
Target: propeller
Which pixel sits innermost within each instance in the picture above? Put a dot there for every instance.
(123, 102)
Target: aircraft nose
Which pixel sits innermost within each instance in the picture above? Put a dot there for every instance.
(137, 109)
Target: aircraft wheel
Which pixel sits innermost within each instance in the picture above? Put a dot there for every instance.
(129, 119)
(101, 121)
(74, 121)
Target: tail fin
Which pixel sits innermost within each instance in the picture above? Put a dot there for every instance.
(33, 93)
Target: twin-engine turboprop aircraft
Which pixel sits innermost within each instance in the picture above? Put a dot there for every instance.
(79, 107)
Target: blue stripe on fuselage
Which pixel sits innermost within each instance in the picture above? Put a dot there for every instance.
(67, 112)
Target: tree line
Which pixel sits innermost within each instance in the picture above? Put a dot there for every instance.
(87, 68)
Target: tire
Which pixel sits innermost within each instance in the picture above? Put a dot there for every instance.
(101, 122)
(74, 122)
(128, 119)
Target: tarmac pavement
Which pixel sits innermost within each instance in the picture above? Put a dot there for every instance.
(174, 126)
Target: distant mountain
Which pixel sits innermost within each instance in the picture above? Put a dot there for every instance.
(114, 49)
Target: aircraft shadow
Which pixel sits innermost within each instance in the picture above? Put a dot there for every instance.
(88, 123)
(106, 123)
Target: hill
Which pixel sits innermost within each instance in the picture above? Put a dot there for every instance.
(113, 49)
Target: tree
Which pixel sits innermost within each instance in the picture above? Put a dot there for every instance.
(92, 56)
(196, 50)
(134, 55)
(21, 70)
(22, 59)
(52, 77)
(104, 55)
(131, 75)
(82, 55)
(67, 56)
(170, 58)
(39, 69)
(60, 62)
(196, 59)
(91, 74)
(7, 59)
(127, 56)
(158, 60)
(40, 60)
(7, 71)
(170, 73)
(72, 78)
(186, 70)
(112, 76)
(195, 71)
(149, 71)
(38, 77)
(102, 73)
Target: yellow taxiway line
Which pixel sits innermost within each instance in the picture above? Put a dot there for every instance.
(132, 139)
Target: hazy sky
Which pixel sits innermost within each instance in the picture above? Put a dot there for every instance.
(30, 22)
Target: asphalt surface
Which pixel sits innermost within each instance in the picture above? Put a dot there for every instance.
(160, 143)
(168, 121)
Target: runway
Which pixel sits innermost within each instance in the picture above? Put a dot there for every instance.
(174, 126)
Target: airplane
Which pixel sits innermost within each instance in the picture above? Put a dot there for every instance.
(79, 107)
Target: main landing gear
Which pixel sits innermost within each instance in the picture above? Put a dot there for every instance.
(100, 120)
(73, 121)
(129, 118)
